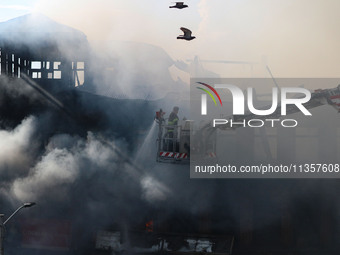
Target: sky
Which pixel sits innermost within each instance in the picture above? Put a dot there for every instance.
(296, 38)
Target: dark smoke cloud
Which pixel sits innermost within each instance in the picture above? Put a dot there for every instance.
(96, 176)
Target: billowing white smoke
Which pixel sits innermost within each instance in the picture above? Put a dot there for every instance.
(64, 160)
(14, 154)
(57, 168)
(14, 145)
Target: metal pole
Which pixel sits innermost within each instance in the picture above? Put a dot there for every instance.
(15, 212)
(2, 234)
(3, 223)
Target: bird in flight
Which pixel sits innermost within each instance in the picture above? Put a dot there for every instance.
(179, 5)
(187, 34)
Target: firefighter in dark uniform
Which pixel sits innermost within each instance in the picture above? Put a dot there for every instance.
(171, 134)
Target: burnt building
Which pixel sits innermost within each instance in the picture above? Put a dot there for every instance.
(48, 66)
(265, 216)
(36, 47)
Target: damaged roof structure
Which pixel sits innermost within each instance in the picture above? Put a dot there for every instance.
(40, 55)
(44, 50)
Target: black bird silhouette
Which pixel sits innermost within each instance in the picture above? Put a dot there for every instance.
(187, 34)
(179, 5)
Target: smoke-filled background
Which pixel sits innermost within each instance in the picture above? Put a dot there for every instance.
(90, 159)
(299, 39)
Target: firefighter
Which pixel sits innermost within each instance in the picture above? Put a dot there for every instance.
(172, 129)
(173, 118)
